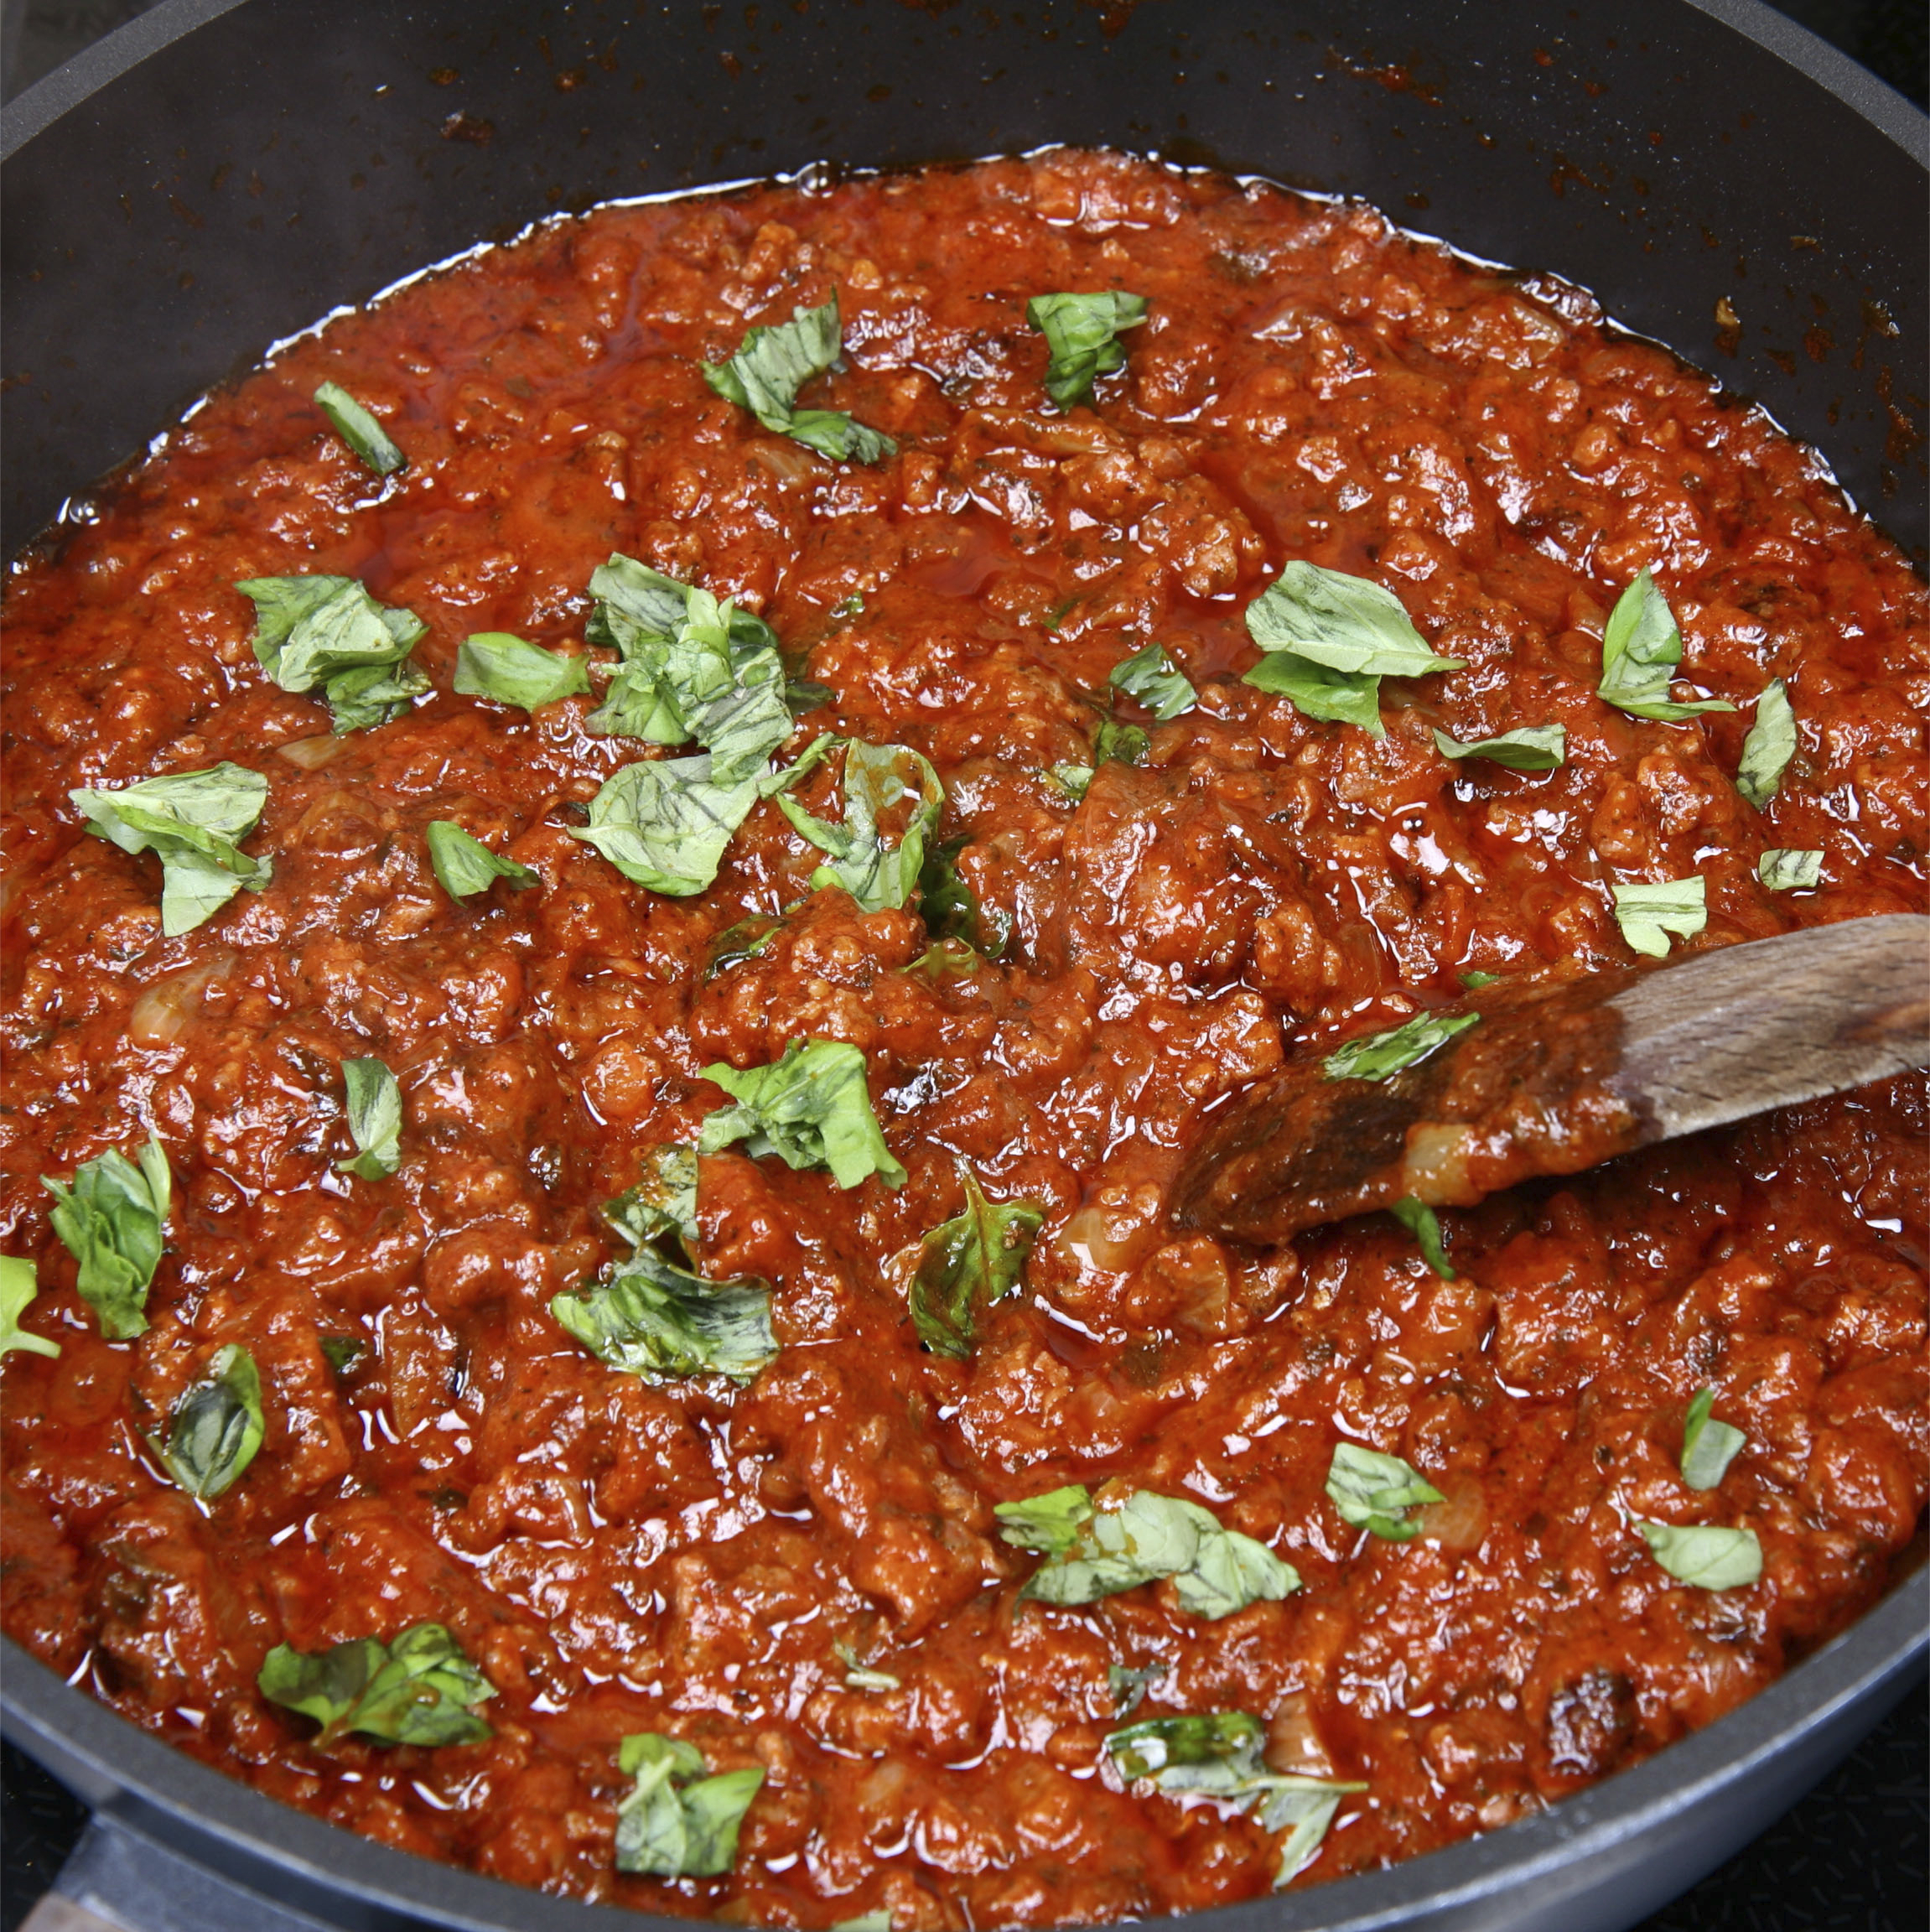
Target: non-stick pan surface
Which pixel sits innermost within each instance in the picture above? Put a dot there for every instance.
(218, 175)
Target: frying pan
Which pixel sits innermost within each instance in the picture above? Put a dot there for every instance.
(216, 175)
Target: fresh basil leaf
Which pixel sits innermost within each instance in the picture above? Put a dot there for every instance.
(1532, 748)
(945, 958)
(1094, 1550)
(19, 1282)
(360, 430)
(1117, 744)
(649, 1317)
(877, 873)
(1707, 1446)
(1217, 1756)
(977, 1256)
(1073, 780)
(1130, 1686)
(1648, 914)
(1330, 639)
(1783, 870)
(341, 1352)
(635, 606)
(1769, 747)
(1083, 333)
(1379, 1056)
(663, 1203)
(706, 676)
(675, 1822)
(217, 1426)
(111, 1216)
(1152, 676)
(951, 909)
(1050, 1523)
(327, 634)
(1709, 1557)
(1420, 1221)
(498, 665)
(772, 364)
(191, 822)
(419, 1689)
(466, 866)
(1160, 1746)
(1375, 1491)
(665, 823)
(375, 1111)
(811, 1109)
(1641, 647)
(1474, 981)
(743, 941)
(1304, 1807)
(1335, 697)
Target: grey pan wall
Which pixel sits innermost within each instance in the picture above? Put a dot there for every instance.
(1648, 151)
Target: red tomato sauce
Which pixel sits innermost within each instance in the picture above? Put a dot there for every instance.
(707, 1562)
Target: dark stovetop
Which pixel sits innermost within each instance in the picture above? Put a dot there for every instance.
(1850, 1857)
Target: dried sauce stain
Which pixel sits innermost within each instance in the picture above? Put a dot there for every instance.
(707, 1560)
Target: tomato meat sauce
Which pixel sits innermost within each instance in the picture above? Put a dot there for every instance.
(962, 1539)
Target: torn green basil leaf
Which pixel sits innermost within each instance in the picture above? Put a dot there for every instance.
(372, 444)
(374, 1105)
(1648, 914)
(772, 364)
(675, 1822)
(498, 665)
(879, 873)
(976, 1257)
(1151, 677)
(665, 823)
(1474, 981)
(1073, 780)
(1081, 336)
(191, 821)
(1130, 1686)
(215, 1427)
(1421, 1222)
(111, 1216)
(703, 675)
(663, 1203)
(1782, 869)
(649, 1317)
(1117, 744)
(1769, 747)
(19, 1282)
(1329, 638)
(1379, 1056)
(1097, 1549)
(1707, 1446)
(1532, 748)
(950, 908)
(1641, 647)
(1049, 1522)
(465, 866)
(1217, 1755)
(419, 1689)
(811, 1109)
(342, 1352)
(1709, 1557)
(1375, 1491)
(327, 634)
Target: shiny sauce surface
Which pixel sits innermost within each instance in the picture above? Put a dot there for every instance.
(705, 1561)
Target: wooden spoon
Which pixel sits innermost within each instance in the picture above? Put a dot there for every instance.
(1556, 1076)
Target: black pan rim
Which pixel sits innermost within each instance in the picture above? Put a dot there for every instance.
(151, 1788)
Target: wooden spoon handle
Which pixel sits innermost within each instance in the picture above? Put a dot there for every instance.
(1735, 1032)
